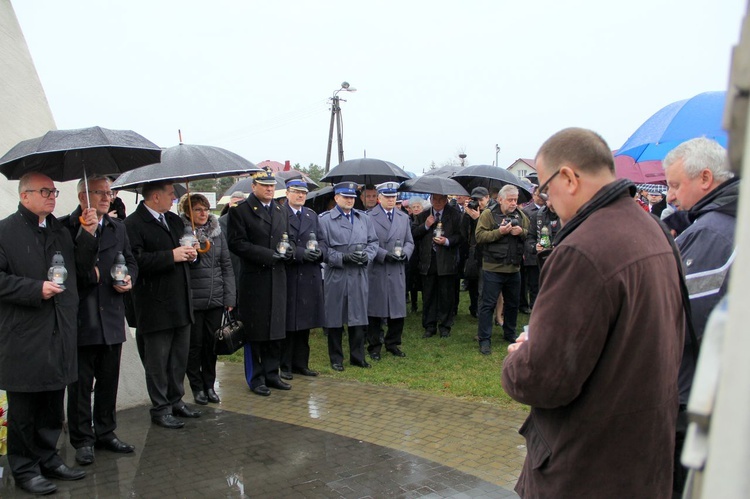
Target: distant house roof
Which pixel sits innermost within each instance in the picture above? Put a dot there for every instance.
(274, 166)
(523, 162)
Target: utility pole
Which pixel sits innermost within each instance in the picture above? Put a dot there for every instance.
(336, 119)
(497, 151)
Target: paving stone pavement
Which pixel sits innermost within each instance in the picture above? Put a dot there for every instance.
(323, 438)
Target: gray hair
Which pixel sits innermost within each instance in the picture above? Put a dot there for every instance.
(700, 154)
(508, 190)
(93, 178)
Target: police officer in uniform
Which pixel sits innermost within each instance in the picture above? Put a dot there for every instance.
(387, 297)
(348, 239)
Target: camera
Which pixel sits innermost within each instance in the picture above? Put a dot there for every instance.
(512, 221)
(473, 204)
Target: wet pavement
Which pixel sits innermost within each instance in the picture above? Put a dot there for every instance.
(324, 438)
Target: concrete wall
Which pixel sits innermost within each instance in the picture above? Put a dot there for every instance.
(24, 114)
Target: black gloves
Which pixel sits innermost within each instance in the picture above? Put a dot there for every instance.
(312, 256)
(356, 258)
(393, 258)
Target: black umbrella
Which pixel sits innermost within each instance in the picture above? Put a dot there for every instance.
(65, 155)
(492, 176)
(445, 171)
(433, 184)
(185, 162)
(368, 171)
(318, 200)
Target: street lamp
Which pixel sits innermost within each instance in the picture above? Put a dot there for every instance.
(497, 151)
(336, 118)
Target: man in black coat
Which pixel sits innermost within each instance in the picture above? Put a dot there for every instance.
(101, 324)
(162, 299)
(304, 284)
(256, 226)
(37, 334)
(438, 264)
(530, 269)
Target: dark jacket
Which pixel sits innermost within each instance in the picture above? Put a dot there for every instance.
(446, 257)
(603, 393)
(707, 250)
(530, 211)
(253, 236)
(236, 261)
(101, 309)
(304, 280)
(542, 218)
(212, 276)
(161, 294)
(37, 337)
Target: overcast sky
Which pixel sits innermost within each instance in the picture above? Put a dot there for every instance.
(434, 78)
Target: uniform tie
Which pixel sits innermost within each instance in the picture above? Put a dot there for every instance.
(162, 220)
(390, 216)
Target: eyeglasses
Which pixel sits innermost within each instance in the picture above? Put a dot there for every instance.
(44, 192)
(545, 186)
(201, 210)
(109, 194)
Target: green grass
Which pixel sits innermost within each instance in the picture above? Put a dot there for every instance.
(447, 366)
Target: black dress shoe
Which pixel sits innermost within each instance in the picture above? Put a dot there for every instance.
(428, 334)
(38, 486)
(212, 397)
(185, 412)
(396, 352)
(262, 390)
(363, 364)
(167, 421)
(200, 398)
(62, 472)
(113, 445)
(85, 455)
(337, 367)
(285, 375)
(445, 334)
(305, 372)
(525, 310)
(375, 356)
(278, 384)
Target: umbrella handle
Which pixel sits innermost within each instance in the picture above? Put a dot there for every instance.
(83, 221)
(208, 247)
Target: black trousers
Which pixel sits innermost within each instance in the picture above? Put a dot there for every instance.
(100, 363)
(35, 420)
(524, 294)
(472, 286)
(356, 344)
(532, 282)
(392, 337)
(438, 296)
(165, 356)
(295, 351)
(201, 365)
(266, 360)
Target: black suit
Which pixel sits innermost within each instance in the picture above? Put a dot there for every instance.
(438, 266)
(254, 234)
(101, 332)
(163, 306)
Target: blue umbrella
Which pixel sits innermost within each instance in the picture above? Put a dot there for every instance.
(699, 116)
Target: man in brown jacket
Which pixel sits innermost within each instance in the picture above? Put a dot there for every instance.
(602, 388)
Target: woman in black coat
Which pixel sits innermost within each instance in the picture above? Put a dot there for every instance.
(213, 285)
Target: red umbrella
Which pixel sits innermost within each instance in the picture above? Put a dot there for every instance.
(643, 172)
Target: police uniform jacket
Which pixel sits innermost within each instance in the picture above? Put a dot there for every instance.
(253, 236)
(387, 297)
(101, 310)
(37, 337)
(304, 280)
(346, 285)
(161, 295)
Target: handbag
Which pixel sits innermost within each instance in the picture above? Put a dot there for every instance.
(230, 336)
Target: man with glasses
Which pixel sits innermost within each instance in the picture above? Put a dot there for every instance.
(101, 323)
(501, 231)
(37, 334)
(602, 389)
